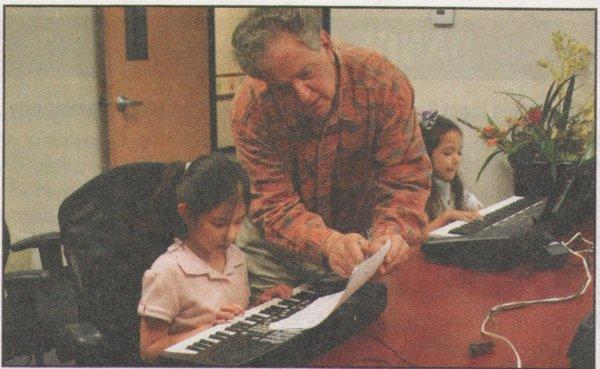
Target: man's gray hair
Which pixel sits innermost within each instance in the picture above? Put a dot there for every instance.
(261, 25)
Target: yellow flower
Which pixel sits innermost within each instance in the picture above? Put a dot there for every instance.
(573, 57)
(543, 63)
(587, 111)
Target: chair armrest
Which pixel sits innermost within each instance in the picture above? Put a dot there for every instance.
(84, 335)
(25, 280)
(40, 241)
(85, 343)
(49, 246)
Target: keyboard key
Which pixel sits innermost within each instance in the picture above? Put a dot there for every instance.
(222, 335)
(287, 303)
(195, 348)
(256, 318)
(305, 295)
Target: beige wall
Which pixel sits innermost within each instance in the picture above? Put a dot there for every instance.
(457, 70)
(51, 118)
(226, 19)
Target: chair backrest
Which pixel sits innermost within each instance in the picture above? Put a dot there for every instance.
(113, 228)
(5, 244)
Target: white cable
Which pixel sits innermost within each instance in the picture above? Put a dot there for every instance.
(519, 304)
(591, 249)
(578, 234)
(573, 238)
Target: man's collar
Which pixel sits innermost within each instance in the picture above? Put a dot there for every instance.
(342, 84)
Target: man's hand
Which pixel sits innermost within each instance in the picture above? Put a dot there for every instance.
(344, 252)
(282, 291)
(227, 312)
(397, 253)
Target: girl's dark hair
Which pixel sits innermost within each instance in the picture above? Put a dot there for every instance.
(432, 134)
(208, 182)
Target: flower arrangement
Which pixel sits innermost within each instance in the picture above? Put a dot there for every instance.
(552, 132)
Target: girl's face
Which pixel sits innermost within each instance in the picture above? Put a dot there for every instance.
(217, 228)
(446, 156)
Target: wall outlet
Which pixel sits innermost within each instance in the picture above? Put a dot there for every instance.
(442, 17)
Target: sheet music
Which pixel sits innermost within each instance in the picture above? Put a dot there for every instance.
(322, 307)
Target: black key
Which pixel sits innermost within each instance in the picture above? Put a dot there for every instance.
(223, 335)
(287, 303)
(255, 318)
(305, 295)
(215, 337)
(203, 344)
(198, 346)
(195, 348)
(235, 329)
(274, 309)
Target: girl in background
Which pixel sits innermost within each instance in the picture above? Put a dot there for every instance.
(202, 279)
(449, 200)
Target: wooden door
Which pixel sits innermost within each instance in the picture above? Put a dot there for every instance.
(173, 120)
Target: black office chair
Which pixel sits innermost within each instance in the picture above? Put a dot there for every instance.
(37, 303)
(113, 228)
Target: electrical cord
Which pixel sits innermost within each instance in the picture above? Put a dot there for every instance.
(520, 304)
(578, 234)
(389, 347)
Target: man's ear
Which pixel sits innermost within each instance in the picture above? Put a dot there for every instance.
(184, 212)
(327, 45)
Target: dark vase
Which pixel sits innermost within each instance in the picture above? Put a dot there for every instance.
(534, 178)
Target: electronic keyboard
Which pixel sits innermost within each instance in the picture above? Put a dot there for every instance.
(506, 235)
(508, 213)
(247, 340)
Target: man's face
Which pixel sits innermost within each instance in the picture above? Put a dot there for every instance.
(291, 67)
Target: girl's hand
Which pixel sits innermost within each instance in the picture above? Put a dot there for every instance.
(281, 290)
(464, 215)
(227, 312)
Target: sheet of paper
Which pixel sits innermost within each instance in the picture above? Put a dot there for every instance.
(322, 307)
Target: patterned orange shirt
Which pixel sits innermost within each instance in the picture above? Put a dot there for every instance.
(364, 169)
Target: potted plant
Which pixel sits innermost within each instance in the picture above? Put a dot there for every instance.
(546, 141)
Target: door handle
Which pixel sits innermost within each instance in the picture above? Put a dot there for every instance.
(123, 102)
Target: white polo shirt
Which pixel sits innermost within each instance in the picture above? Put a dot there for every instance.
(184, 290)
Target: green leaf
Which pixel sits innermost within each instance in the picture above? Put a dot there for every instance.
(516, 148)
(548, 150)
(562, 121)
(546, 106)
(491, 121)
(486, 162)
(511, 94)
(522, 108)
(552, 108)
(468, 124)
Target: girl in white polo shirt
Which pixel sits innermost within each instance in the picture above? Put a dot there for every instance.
(202, 279)
(449, 200)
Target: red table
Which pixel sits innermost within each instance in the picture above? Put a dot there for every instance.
(435, 311)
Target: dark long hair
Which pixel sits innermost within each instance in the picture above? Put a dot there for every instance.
(208, 182)
(432, 134)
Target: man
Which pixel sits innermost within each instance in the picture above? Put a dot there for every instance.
(329, 137)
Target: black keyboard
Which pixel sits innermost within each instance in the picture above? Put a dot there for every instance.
(515, 216)
(498, 241)
(249, 342)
